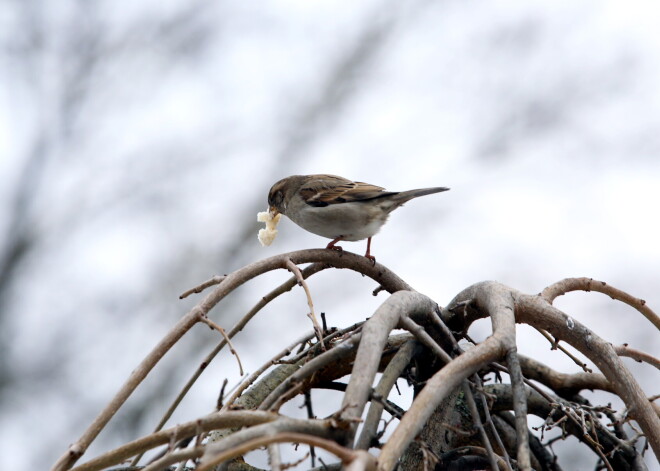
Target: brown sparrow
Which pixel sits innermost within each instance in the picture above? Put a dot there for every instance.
(337, 208)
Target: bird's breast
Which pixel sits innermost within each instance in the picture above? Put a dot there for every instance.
(352, 221)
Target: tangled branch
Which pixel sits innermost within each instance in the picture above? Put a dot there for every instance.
(451, 398)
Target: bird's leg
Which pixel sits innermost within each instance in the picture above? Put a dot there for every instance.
(368, 254)
(332, 245)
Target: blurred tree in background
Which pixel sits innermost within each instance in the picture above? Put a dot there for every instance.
(138, 141)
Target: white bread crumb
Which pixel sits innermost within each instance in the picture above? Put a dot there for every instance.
(267, 236)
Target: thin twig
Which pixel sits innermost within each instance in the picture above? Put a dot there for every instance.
(215, 326)
(555, 345)
(310, 415)
(252, 378)
(476, 421)
(216, 280)
(489, 419)
(281, 289)
(637, 355)
(293, 268)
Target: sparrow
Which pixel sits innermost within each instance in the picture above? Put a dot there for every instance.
(338, 208)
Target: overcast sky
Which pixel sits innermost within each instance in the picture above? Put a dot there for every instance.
(138, 140)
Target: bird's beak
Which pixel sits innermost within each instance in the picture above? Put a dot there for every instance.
(273, 211)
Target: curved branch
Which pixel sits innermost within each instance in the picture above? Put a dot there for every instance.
(379, 273)
(537, 312)
(211, 422)
(637, 355)
(564, 384)
(589, 284)
(348, 456)
(394, 369)
(493, 300)
(311, 368)
(539, 406)
(375, 333)
(310, 427)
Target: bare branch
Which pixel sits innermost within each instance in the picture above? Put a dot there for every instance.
(222, 332)
(589, 284)
(213, 421)
(387, 380)
(293, 268)
(344, 260)
(520, 408)
(216, 280)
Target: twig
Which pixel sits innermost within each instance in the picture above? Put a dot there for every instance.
(563, 384)
(555, 345)
(476, 421)
(219, 402)
(625, 351)
(215, 326)
(310, 368)
(179, 456)
(489, 419)
(250, 379)
(216, 280)
(281, 289)
(310, 415)
(327, 340)
(293, 268)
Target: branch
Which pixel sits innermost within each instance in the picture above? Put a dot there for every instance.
(537, 312)
(637, 355)
(589, 284)
(283, 288)
(213, 421)
(355, 459)
(293, 268)
(318, 428)
(565, 385)
(498, 304)
(394, 369)
(375, 333)
(377, 272)
(519, 407)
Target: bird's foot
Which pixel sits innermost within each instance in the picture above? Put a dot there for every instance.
(368, 254)
(332, 245)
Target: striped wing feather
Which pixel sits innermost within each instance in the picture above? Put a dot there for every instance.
(330, 189)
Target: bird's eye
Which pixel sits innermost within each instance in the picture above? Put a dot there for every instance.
(276, 199)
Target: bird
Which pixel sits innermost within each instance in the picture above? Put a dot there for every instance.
(338, 208)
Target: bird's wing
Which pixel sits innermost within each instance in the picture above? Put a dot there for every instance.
(325, 190)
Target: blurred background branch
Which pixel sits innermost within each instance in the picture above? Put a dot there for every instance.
(138, 141)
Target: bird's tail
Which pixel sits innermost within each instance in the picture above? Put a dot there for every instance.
(396, 200)
(404, 196)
